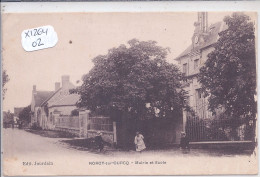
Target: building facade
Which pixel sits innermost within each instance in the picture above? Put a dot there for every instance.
(61, 103)
(191, 60)
(58, 103)
(38, 97)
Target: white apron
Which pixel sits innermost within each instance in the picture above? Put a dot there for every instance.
(139, 142)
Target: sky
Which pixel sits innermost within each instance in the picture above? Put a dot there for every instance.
(91, 34)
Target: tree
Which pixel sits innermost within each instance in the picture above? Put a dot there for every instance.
(25, 114)
(228, 77)
(8, 117)
(5, 80)
(135, 79)
(74, 112)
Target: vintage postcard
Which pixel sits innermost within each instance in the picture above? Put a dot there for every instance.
(129, 93)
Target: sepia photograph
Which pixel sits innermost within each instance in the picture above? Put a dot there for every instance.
(129, 93)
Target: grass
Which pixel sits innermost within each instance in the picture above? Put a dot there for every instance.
(52, 133)
(87, 143)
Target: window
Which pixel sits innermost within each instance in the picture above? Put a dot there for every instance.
(185, 69)
(188, 100)
(196, 63)
(201, 105)
(199, 94)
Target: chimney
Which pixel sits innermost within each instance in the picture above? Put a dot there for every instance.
(34, 88)
(65, 80)
(57, 86)
(203, 20)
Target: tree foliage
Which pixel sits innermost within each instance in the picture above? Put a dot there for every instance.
(135, 79)
(8, 117)
(229, 75)
(74, 112)
(5, 79)
(25, 114)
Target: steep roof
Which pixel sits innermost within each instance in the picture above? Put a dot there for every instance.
(64, 100)
(45, 101)
(185, 52)
(210, 38)
(41, 96)
(70, 99)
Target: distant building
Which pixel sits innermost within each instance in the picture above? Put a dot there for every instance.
(55, 103)
(191, 60)
(17, 111)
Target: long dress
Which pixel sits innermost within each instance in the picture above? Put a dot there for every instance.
(139, 142)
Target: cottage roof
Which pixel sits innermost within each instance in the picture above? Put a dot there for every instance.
(45, 101)
(63, 99)
(68, 100)
(210, 38)
(41, 96)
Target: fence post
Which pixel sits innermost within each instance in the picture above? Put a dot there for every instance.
(83, 122)
(114, 132)
(184, 120)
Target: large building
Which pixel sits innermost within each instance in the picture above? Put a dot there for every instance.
(191, 60)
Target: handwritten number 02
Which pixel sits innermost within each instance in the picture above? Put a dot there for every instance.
(37, 42)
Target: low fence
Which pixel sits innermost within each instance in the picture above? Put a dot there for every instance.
(104, 125)
(218, 130)
(68, 123)
(85, 126)
(100, 123)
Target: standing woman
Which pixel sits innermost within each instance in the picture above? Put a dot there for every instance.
(139, 142)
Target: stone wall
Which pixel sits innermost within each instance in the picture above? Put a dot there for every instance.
(67, 121)
(68, 124)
